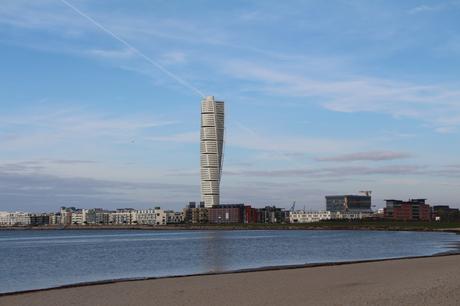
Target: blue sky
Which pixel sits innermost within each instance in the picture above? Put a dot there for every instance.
(322, 97)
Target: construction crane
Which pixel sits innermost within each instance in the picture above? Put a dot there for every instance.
(293, 206)
(366, 192)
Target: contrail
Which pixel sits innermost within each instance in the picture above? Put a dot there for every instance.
(140, 53)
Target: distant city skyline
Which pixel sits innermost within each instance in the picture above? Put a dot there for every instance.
(321, 98)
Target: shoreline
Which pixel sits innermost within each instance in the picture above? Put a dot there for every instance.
(422, 280)
(355, 226)
(230, 272)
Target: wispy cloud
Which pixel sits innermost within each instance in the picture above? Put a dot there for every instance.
(188, 137)
(366, 156)
(348, 171)
(439, 105)
(425, 8)
(280, 146)
(112, 54)
(42, 128)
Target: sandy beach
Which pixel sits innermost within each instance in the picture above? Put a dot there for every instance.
(420, 281)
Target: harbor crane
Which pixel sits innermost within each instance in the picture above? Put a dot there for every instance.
(292, 207)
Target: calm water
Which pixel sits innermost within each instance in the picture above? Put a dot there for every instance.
(40, 259)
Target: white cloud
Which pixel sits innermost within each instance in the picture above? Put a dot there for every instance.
(438, 105)
(112, 54)
(424, 8)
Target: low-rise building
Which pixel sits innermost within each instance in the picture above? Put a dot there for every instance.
(77, 217)
(14, 218)
(351, 215)
(174, 217)
(55, 218)
(227, 213)
(123, 216)
(445, 213)
(66, 215)
(160, 216)
(146, 216)
(4, 217)
(412, 210)
(302, 216)
(39, 219)
(195, 215)
(96, 216)
(270, 214)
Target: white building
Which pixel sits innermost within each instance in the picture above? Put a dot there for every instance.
(211, 149)
(123, 216)
(55, 218)
(302, 216)
(146, 216)
(14, 218)
(160, 216)
(351, 215)
(77, 217)
(4, 218)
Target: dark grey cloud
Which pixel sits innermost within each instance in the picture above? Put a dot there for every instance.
(37, 192)
(366, 156)
(448, 171)
(38, 165)
(20, 167)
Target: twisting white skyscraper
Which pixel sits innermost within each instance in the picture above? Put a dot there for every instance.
(211, 148)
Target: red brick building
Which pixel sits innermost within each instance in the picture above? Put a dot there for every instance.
(412, 210)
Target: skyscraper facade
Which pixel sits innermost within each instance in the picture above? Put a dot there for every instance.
(211, 149)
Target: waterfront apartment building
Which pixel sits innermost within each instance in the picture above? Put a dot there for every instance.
(174, 217)
(352, 215)
(96, 216)
(55, 218)
(270, 214)
(230, 213)
(195, 215)
(146, 216)
(211, 150)
(301, 216)
(77, 217)
(39, 219)
(352, 203)
(66, 215)
(123, 216)
(446, 213)
(412, 210)
(14, 218)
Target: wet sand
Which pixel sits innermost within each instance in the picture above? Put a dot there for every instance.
(420, 281)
